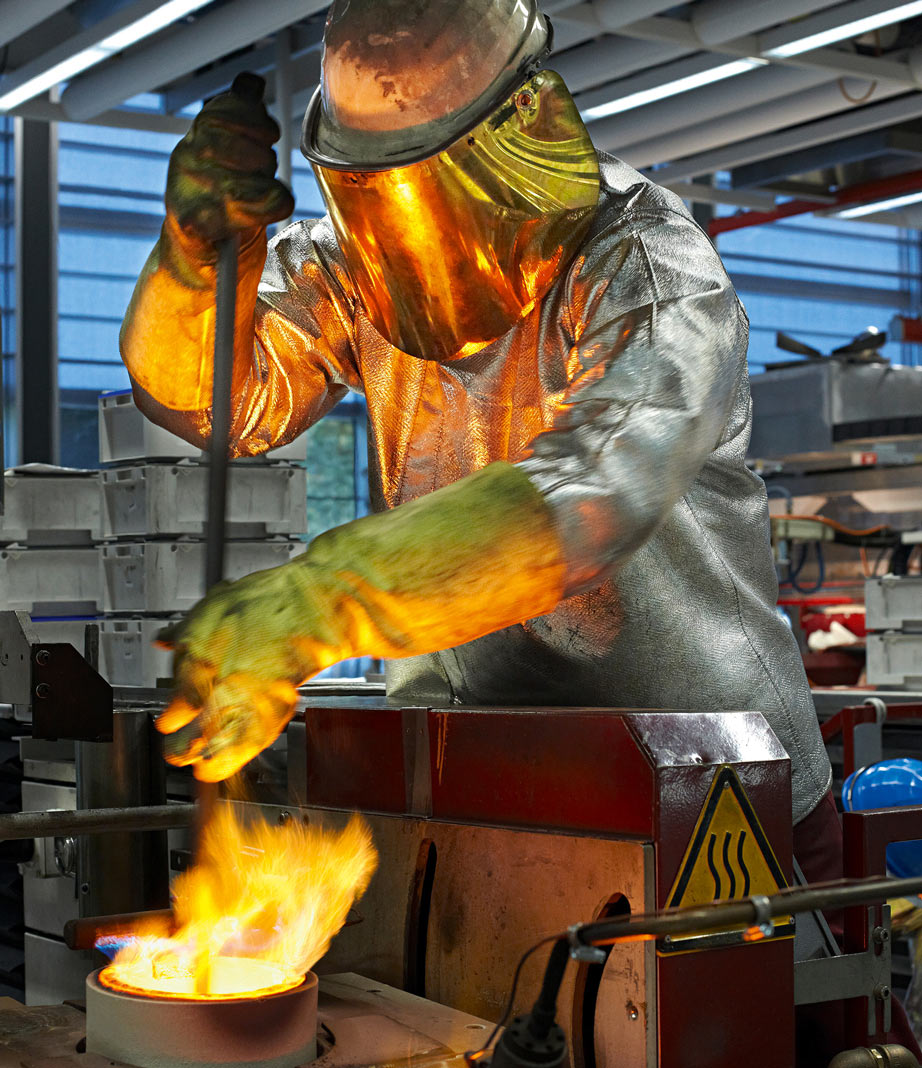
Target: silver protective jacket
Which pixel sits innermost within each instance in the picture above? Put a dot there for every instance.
(624, 395)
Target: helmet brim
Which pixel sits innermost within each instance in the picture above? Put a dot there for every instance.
(381, 151)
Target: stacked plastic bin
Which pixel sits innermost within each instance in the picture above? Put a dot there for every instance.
(893, 613)
(153, 493)
(50, 531)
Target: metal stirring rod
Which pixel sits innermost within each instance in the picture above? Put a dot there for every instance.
(207, 793)
(252, 87)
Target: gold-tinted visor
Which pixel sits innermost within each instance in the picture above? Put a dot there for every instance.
(448, 253)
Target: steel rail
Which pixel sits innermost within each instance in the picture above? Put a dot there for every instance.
(15, 825)
(750, 912)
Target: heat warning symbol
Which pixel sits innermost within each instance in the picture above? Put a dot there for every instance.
(729, 855)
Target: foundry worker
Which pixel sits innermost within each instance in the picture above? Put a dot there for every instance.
(554, 365)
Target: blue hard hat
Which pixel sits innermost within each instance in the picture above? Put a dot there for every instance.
(889, 784)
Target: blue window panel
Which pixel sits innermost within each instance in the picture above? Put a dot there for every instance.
(88, 338)
(793, 314)
(847, 227)
(102, 170)
(115, 200)
(816, 247)
(118, 139)
(823, 280)
(144, 102)
(91, 376)
(308, 201)
(837, 274)
(79, 293)
(118, 254)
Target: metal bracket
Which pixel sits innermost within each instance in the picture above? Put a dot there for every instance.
(580, 950)
(868, 737)
(852, 975)
(67, 697)
(814, 937)
(763, 920)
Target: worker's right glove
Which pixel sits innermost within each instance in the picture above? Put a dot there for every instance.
(221, 180)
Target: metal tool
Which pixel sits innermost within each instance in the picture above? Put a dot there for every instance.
(250, 86)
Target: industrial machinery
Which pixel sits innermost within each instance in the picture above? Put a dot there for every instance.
(826, 406)
(497, 828)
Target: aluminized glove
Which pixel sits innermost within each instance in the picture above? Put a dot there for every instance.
(459, 563)
(221, 181)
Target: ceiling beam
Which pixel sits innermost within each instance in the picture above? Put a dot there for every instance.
(62, 55)
(680, 33)
(824, 22)
(707, 104)
(621, 14)
(716, 21)
(610, 58)
(172, 55)
(874, 143)
(152, 121)
(699, 193)
(877, 189)
(219, 76)
(738, 126)
(681, 38)
(859, 120)
(19, 16)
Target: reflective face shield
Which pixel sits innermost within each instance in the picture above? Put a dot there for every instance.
(448, 253)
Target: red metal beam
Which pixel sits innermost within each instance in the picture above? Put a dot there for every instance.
(862, 193)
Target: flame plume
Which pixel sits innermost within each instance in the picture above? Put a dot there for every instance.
(258, 909)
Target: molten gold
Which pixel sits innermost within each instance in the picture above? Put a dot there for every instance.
(232, 979)
(449, 253)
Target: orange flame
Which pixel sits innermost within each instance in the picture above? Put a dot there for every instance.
(258, 909)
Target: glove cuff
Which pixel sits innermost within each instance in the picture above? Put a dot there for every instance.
(464, 561)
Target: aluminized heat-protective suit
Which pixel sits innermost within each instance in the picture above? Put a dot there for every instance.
(554, 363)
(624, 396)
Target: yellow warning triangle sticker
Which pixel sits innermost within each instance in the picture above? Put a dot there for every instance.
(729, 855)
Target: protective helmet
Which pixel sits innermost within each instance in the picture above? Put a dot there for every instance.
(889, 784)
(459, 181)
(403, 79)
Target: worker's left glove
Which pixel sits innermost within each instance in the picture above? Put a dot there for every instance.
(464, 561)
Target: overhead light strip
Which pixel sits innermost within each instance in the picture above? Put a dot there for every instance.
(88, 57)
(668, 89)
(847, 30)
(879, 205)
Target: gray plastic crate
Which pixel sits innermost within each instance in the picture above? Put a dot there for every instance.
(894, 602)
(895, 659)
(171, 500)
(127, 436)
(51, 509)
(127, 654)
(71, 630)
(50, 582)
(168, 577)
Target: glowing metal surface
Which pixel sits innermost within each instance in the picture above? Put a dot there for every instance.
(232, 978)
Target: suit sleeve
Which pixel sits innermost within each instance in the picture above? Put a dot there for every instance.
(659, 343)
(293, 357)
